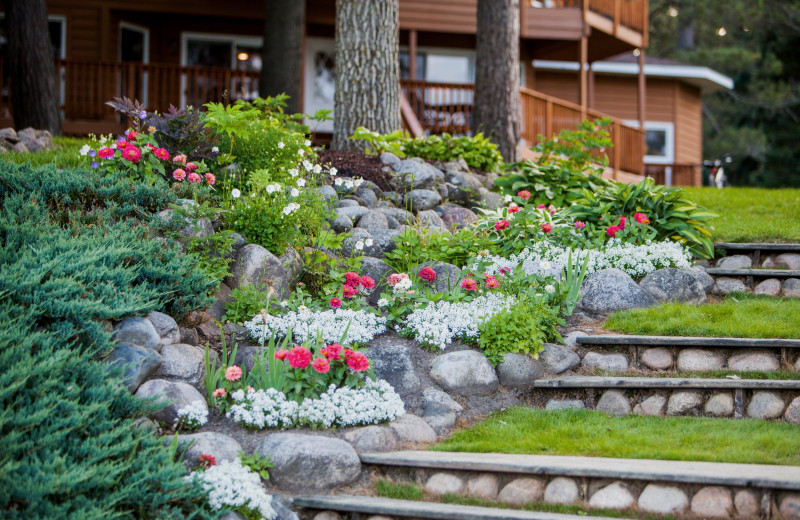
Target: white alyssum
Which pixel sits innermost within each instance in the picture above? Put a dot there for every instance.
(263, 409)
(231, 484)
(437, 324)
(193, 415)
(363, 326)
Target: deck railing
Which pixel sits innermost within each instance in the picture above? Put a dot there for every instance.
(630, 13)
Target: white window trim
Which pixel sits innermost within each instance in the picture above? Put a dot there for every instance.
(136, 28)
(63, 21)
(234, 39)
(669, 143)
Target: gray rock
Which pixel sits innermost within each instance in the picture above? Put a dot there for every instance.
(369, 245)
(9, 134)
(726, 285)
(614, 402)
(390, 159)
(310, 462)
(401, 215)
(700, 274)
(561, 490)
(608, 362)
(183, 363)
(556, 359)
(519, 371)
(490, 200)
(563, 404)
(255, 265)
(696, 360)
(365, 193)
(327, 515)
(465, 372)
(463, 179)
(792, 414)
(788, 261)
(684, 402)
(444, 483)
(712, 502)
(175, 395)
(768, 263)
(148, 425)
(769, 287)
(283, 508)
(218, 445)
(138, 363)
(613, 496)
(458, 218)
(342, 224)
(353, 212)
(719, 405)
(247, 357)
(217, 309)
(653, 405)
(189, 336)
(790, 507)
(420, 200)
(414, 175)
(348, 203)
(371, 439)
(483, 486)
(373, 220)
(378, 270)
(765, 405)
(328, 192)
(429, 219)
(433, 397)
(571, 339)
(791, 288)
(735, 262)
(755, 361)
(448, 276)
(674, 285)
(166, 327)
(610, 290)
(521, 491)
(657, 498)
(658, 358)
(747, 503)
(137, 331)
(413, 429)
(393, 223)
(233, 515)
(393, 363)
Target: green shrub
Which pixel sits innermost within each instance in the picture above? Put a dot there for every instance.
(477, 151)
(417, 245)
(246, 302)
(524, 328)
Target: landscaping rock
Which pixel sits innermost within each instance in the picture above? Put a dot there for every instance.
(735, 262)
(754, 361)
(791, 288)
(183, 363)
(719, 405)
(696, 360)
(369, 247)
(433, 397)
(673, 285)
(384, 239)
(725, 285)
(765, 405)
(712, 502)
(561, 490)
(614, 402)
(431, 220)
(788, 261)
(700, 274)
(414, 429)
(420, 200)
(401, 215)
(571, 339)
(218, 445)
(522, 491)
(373, 220)
(747, 503)
(444, 483)
(367, 195)
(653, 405)
(372, 438)
(415, 175)
(448, 276)
(439, 409)
(378, 270)
(563, 404)
(769, 287)
(310, 462)
(483, 486)
(246, 357)
(684, 402)
(166, 327)
(610, 290)
(178, 395)
(348, 203)
(556, 359)
(658, 358)
(458, 217)
(790, 507)
(328, 192)
(393, 363)
(792, 414)
(137, 331)
(354, 213)
(342, 224)
(613, 496)
(327, 515)
(465, 372)
(490, 200)
(138, 363)
(664, 500)
(217, 309)
(609, 362)
(390, 159)
(255, 265)
(519, 371)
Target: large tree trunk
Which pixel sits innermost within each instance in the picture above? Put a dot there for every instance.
(34, 96)
(497, 74)
(367, 70)
(282, 55)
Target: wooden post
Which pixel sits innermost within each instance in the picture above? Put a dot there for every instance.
(591, 87)
(617, 16)
(548, 119)
(584, 77)
(642, 91)
(412, 54)
(616, 141)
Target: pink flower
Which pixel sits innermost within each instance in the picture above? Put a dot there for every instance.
(612, 230)
(131, 134)
(547, 228)
(332, 351)
(541, 206)
(281, 354)
(641, 218)
(233, 373)
(131, 153)
(122, 143)
(321, 365)
(161, 153)
(427, 274)
(105, 153)
(468, 284)
(621, 223)
(210, 178)
(178, 174)
(395, 278)
(194, 178)
(524, 194)
(367, 282)
(501, 225)
(352, 279)
(505, 270)
(179, 159)
(491, 281)
(348, 291)
(219, 392)
(579, 225)
(207, 460)
(335, 303)
(358, 362)
(299, 357)
(190, 166)
(513, 208)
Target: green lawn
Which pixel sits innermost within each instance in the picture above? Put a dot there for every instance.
(595, 434)
(751, 214)
(65, 154)
(738, 316)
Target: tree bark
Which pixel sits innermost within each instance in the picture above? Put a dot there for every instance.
(497, 74)
(367, 70)
(34, 96)
(282, 54)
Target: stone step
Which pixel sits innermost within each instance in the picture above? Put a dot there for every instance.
(757, 246)
(687, 341)
(760, 273)
(705, 489)
(393, 508)
(737, 398)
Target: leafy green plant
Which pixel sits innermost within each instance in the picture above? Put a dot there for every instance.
(214, 376)
(231, 121)
(323, 266)
(477, 151)
(267, 372)
(245, 302)
(571, 282)
(392, 142)
(257, 463)
(416, 245)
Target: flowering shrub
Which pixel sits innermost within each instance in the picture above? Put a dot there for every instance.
(361, 326)
(192, 416)
(233, 485)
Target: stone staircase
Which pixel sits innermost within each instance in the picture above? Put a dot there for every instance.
(763, 268)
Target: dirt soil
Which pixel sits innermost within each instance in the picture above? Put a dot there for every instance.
(357, 164)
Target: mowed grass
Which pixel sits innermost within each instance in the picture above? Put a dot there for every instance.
(751, 214)
(596, 434)
(65, 154)
(738, 316)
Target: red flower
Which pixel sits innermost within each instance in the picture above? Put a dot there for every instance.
(332, 351)
(105, 153)
(281, 354)
(427, 274)
(131, 153)
(621, 223)
(335, 303)
(612, 230)
(121, 143)
(190, 166)
(501, 225)
(348, 352)
(348, 291)
(547, 228)
(367, 282)
(579, 225)
(299, 357)
(513, 208)
(468, 284)
(524, 194)
(131, 135)
(358, 362)
(161, 153)
(352, 279)
(207, 460)
(321, 365)
(641, 218)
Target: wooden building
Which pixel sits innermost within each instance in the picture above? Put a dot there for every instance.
(194, 51)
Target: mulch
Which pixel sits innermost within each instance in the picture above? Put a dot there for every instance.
(357, 164)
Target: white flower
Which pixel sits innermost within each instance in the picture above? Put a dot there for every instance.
(295, 192)
(307, 143)
(193, 415)
(293, 172)
(359, 245)
(549, 289)
(317, 168)
(308, 166)
(333, 172)
(368, 242)
(281, 145)
(332, 324)
(301, 182)
(508, 198)
(236, 193)
(291, 208)
(338, 182)
(348, 183)
(302, 308)
(383, 302)
(283, 303)
(272, 188)
(103, 139)
(301, 152)
(85, 149)
(234, 485)
(357, 182)
(215, 149)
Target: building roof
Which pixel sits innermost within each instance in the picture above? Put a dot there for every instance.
(626, 64)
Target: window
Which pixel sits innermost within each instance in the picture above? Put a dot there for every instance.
(405, 68)
(134, 43)
(659, 140)
(56, 25)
